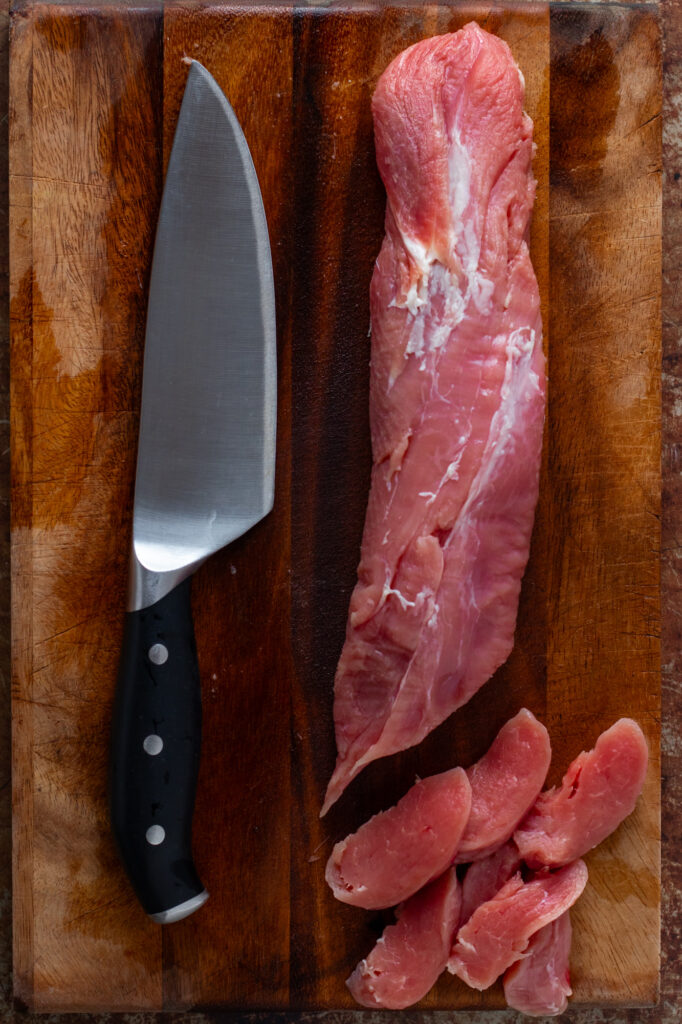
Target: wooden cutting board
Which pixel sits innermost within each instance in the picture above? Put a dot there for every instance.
(95, 93)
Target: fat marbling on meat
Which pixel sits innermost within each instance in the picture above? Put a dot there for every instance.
(505, 782)
(599, 790)
(540, 983)
(499, 932)
(457, 398)
(484, 878)
(411, 954)
(400, 850)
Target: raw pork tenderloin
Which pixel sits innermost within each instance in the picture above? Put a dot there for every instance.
(457, 398)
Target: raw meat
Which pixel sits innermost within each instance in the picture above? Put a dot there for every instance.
(485, 878)
(410, 955)
(498, 933)
(539, 985)
(597, 793)
(504, 785)
(399, 851)
(457, 398)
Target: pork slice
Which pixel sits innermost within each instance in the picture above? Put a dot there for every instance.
(411, 954)
(504, 784)
(485, 878)
(457, 398)
(498, 933)
(540, 983)
(399, 851)
(597, 793)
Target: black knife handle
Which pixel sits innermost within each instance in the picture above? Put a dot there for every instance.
(155, 748)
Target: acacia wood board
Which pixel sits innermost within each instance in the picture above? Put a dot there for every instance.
(95, 94)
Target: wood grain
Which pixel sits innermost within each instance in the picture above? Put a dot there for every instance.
(240, 942)
(603, 480)
(95, 96)
(21, 550)
(86, 186)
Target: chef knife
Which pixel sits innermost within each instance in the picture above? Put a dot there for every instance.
(205, 475)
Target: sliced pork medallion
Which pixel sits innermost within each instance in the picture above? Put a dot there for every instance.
(597, 793)
(411, 954)
(399, 851)
(539, 985)
(498, 933)
(504, 785)
(457, 398)
(485, 878)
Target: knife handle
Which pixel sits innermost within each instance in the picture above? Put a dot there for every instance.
(155, 756)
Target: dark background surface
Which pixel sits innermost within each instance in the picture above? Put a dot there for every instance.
(670, 1007)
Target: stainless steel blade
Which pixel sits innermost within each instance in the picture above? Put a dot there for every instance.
(205, 466)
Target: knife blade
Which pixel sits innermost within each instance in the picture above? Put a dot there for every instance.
(204, 476)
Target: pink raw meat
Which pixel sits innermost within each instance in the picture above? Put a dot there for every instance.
(539, 985)
(410, 956)
(399, 851)
(504, 785)
(457, 398)
(485, 878)
(498, 933)
(597, 793)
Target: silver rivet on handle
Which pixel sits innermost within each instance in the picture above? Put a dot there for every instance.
(152, 744)
(158, 654)
(155, 835)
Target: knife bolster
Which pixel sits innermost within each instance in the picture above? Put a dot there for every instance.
(147, 587)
